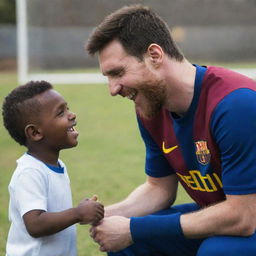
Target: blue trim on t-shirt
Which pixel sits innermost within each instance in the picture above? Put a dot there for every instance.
(57, 169)
(233, 125)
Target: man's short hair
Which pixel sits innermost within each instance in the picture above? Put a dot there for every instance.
(19, 106)
(135, 27)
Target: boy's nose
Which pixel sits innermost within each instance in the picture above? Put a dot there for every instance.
(72, 115)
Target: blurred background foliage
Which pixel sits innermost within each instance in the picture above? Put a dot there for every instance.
(7, 12)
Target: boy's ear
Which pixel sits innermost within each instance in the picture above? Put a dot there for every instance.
(33, 132)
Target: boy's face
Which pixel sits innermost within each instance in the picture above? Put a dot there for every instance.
(56, 122)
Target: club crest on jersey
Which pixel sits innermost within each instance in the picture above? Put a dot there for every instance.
(202, 152)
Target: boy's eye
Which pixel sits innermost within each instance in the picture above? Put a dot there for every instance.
(60, 112)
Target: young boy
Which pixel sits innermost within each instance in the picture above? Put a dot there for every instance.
(40, 210)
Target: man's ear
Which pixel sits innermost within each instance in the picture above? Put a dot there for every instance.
(155, 53)
(33, 132)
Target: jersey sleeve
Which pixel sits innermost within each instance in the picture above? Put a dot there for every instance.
(233, 127)
(156, 164)
(30, 191)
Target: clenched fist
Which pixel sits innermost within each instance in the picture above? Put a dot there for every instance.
(90, 211)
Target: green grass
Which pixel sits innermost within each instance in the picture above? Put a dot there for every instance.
(109, 160)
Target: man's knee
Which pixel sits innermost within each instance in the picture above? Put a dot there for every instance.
(117, 254)
(227, 245)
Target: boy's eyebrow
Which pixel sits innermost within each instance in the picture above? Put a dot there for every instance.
(61, 105)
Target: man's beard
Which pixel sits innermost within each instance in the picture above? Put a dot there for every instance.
(155, 98)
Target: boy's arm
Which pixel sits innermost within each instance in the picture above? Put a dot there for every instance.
(41, 223)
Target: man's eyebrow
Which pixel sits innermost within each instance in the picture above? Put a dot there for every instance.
(113, 72)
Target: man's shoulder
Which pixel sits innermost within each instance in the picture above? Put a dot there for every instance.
(223, 75)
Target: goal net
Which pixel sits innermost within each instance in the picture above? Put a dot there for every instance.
(52, 34)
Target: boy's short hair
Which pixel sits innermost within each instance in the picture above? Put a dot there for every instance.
(19, 106)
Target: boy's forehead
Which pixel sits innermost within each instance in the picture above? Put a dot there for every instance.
(49, 96)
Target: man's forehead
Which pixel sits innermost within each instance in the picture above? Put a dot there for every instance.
(112, 50)
(112, 57)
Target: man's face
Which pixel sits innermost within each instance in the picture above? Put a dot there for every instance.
(132, 78)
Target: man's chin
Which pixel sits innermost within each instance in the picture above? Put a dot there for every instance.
(146, 114)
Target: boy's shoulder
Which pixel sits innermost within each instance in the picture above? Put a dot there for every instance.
(27, 164)
(27, 161)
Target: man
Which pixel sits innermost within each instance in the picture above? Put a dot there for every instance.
(198, 124)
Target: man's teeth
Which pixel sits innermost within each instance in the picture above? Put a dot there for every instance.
(71, 129)
(131, 95)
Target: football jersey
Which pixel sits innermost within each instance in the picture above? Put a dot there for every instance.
(212, 148)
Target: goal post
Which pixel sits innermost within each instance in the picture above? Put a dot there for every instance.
(51, 35)
(27, 33)
(22, 44)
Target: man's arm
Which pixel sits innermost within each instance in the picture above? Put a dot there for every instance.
(235, 216)
(154, 195)
(113, 232)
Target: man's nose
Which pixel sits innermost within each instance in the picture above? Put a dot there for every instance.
(114, 87)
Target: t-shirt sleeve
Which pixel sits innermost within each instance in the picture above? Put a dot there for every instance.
(156, 164)
(30, 191)
(233, 126)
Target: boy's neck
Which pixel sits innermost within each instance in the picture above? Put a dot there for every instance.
(50, 158)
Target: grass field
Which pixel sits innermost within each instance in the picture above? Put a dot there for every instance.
(108, 161)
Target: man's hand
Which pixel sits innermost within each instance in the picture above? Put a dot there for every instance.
(112, 233)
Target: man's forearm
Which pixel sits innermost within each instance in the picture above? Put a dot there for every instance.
(146, 199)
(234, 216)
(136, 204)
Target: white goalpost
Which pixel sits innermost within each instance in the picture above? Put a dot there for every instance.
(51, 36)
(24, 73)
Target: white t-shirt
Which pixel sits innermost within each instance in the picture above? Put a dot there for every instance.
(35, 186)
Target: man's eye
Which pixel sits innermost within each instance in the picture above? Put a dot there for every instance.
(120, 73)
(117, 73)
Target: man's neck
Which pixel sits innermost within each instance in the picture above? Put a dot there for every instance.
(180, 86)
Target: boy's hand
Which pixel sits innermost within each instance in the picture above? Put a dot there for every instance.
(90, 211)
